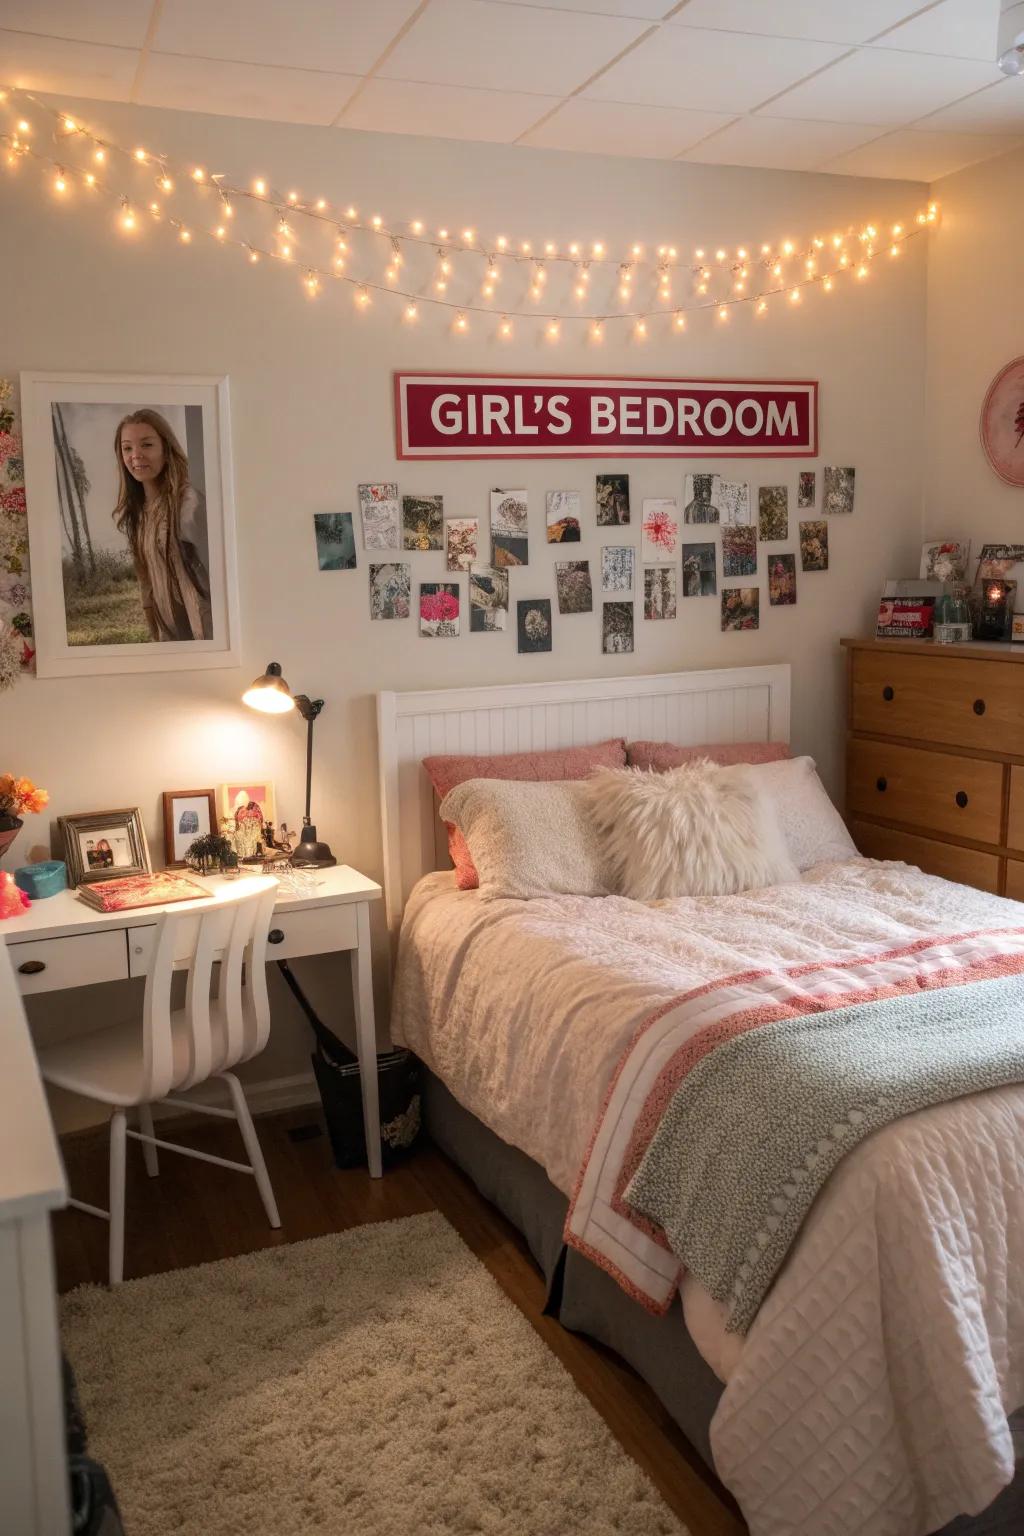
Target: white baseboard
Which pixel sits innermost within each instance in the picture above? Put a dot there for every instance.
(264, 1098)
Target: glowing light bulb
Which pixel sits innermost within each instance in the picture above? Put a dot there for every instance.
(446, 266)
(638, 250)
(719, 255)
(897, 229)
(90, 179)
(155, 209)
(837, 241)
(872, 231)
(526, 247)
(552, 330)
(254, 257)
(461, 323)
(228, 211)
(679, 320)
(580, 290)
(505, 328)
(624, 290)
(411, 312)
(787, 248)
(810, 264)
(702, 288)
(376, 221)
(23, 126)
(469, 235)
(127, 220)
(862, 271)
(777, 269)
(198, 174)
(140, 155)
(766, 250)
(723, 313)
(311, 283)
(596, 331)
(259, 186)
(417, 226)
(99, 155)
(293, 197)
(502, 243)
(59, 183)
(339, 261)
(794, 295)
(894, 250)
(640, 329)
(762, 305)
(827, 285)
(285, 252)
(184, 235)
(69, 122)
(321, 204)
(392, 274)
(166, 184)
(362, 298)
(699, 253)
(739, 285)
(844, 260)
(488, 290)
(598, 248)
(441, 285)
(550, 247)
(350, 212)
(741, 253)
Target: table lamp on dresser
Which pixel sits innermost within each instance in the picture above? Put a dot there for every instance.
(271, 695)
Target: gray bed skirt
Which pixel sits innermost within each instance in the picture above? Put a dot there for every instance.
(586, 1300)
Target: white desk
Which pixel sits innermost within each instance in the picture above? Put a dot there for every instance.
(61, 942)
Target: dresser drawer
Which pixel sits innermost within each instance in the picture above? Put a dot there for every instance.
(46, 965)
(316, 931)
(965, 865)
(959, 795)
(1015, 879)
(1015, 822)
(937, 698)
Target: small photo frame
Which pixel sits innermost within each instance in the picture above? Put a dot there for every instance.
(104, 845)
(188, 814)
(238, 798)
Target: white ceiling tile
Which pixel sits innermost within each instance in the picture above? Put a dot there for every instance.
(829, 21)
(914, 156)
(444, 111)
(347, 37)
(962, 29)
(614, 128)
(508, 47)
(877, 86)
(645, 10)
(780, 144)
(72, 69)
(121, 23)
(997, 109)
(710, 71)
(243, 90)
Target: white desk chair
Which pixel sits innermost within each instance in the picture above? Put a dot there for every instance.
(137, 1065)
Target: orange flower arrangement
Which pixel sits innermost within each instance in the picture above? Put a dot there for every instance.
(20, 795)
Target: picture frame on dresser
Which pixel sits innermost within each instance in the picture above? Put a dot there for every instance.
(104, 455)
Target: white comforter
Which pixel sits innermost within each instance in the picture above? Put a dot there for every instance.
(871, 1395)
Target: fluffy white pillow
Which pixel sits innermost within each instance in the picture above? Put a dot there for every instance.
(813, 828)
(698, 830)
(528, 839)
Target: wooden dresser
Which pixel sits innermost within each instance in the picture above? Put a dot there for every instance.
(935, 758)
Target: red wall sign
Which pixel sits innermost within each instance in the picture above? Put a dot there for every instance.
(523, 416)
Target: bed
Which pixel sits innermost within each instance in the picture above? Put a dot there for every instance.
(868, 1395)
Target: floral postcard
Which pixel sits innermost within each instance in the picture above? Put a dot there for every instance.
(814, 545)
(617, 563)
(773, 512)
(573, 586)
(741, 608)
(390, 591)
(612, 500)
(378, 506)
(837, 493)
(509, 514)
(616, 628)
(739, 551)
(781, 580)
(462, 536)
(422, 522)
(562, 512)
(700, 499)
(439, 608)
(659, 530)
(15, 588)
(533, 622)
(733, 497)
(699, 579)
(806, 488)
(659, 591)
(488, 600)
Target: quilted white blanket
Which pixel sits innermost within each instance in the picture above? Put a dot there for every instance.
(871, 1394)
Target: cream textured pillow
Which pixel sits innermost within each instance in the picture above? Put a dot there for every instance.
(699, 830)
(814, 830)
(528, 839)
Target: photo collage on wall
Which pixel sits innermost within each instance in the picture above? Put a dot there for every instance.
(653, 561)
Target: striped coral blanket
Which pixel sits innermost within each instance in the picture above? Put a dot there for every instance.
(734, 1103)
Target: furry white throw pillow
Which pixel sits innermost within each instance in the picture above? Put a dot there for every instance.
(698, 830)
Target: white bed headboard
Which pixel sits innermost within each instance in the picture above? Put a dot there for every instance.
(687, 708)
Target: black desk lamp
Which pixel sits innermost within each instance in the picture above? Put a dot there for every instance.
(271, 695)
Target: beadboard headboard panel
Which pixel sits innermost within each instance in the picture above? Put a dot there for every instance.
(686, 708)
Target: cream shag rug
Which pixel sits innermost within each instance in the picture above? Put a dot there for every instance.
(372, 1383)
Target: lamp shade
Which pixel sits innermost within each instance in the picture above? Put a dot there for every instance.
(270, 693)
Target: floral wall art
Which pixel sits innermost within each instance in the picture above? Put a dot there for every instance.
(17, 648)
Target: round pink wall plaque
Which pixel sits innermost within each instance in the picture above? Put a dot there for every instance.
(1002, 423)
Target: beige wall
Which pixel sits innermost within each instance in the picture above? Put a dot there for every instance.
(975, 326)
(312, 417)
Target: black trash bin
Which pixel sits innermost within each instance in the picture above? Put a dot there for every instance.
(339, 1082)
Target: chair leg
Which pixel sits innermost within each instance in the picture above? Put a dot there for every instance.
(252, 1147)
(149, 1156)
(118, 1143)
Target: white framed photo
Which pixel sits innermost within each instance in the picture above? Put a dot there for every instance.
(131, 522)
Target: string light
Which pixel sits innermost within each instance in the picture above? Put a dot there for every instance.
(552, 330)
(679, 320)
(127, 219)
(184, 235)
(59, 181)
(411, 312)
(505, 328)
(461, 323)
(597, 331)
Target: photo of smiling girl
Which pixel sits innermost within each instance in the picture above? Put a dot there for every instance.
(163, 518)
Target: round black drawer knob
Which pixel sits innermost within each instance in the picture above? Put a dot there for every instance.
(888, 694)
(881, 785)
(31, 967)
(979, 706)
(275, 936)
(961, 798)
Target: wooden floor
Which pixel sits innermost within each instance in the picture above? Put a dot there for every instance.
(195, 1212)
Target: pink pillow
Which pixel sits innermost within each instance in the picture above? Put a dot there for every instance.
(562, 763)
(659, 756)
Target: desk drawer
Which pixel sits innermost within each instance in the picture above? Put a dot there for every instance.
(958, 795)
(968, 703)
(77, 961)
(314, 932)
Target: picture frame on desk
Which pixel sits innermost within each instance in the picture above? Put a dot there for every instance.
(104, 845)
(131, 522)
(188, 814)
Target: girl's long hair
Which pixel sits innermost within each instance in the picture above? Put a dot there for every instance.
(171, 484)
